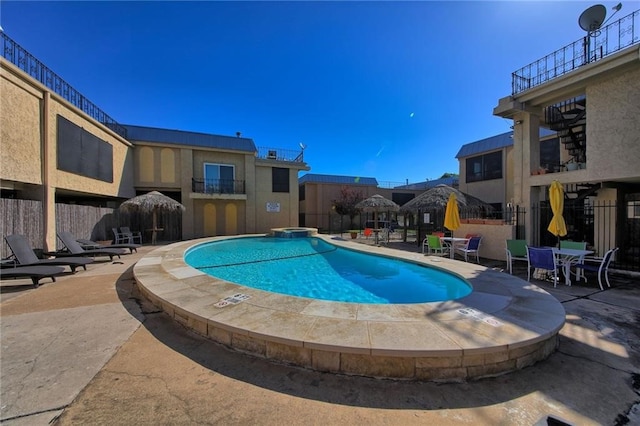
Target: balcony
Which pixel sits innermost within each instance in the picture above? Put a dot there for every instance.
(277, 154)
(218, 186)
(601, 43)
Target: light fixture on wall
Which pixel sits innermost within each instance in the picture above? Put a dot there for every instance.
(518, 122)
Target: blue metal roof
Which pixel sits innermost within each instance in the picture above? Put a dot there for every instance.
(494, 143)
(343, 180)
(181, 137)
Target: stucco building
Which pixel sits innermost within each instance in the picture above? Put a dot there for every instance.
(589, 93)
(57, 147)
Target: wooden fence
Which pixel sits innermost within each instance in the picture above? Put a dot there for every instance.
(25, 217)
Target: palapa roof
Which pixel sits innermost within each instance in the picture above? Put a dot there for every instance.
(151, 201)
(437, 197)
(377, 203)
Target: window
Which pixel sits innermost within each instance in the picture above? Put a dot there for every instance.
(279, 179)
(550, 154)
(301, 193)
(219, 178)
(83, 153)
(484, 167)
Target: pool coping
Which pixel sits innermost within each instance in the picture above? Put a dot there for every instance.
(505, 324)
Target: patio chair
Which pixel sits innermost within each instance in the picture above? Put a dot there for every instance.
(25, 256)
(89, 244)
(435, 245)
(76, 249)
(367, 232)
(576, 245)
(472, 247)
(602, 269)
(130, 235)
(119, 237)
(542, 258)
(36, 273)
(516, 250)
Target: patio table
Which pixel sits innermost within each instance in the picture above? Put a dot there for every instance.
(567, 257)
(452, 242)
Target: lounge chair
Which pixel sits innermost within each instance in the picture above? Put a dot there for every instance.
(36, 273)
(25, 255)
(89, 244)
(75, 249)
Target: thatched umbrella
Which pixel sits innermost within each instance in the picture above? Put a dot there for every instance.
(438, 196)
(436, 199)
(377, 203)
(151, 202)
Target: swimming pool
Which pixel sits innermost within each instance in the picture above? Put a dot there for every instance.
(504, 324)
(313, 268)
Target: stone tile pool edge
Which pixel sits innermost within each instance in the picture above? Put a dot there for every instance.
(505, 324)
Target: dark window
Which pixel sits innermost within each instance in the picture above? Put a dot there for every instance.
(279, 179)
(301, 194)
(82, 153)
(550, 154)
(484, 167)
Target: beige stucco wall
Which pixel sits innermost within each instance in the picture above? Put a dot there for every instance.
(213, 217)
(613, 128)
(288, 201)
(158, 166)
(28, 148)
(494, 238)
(20, 134)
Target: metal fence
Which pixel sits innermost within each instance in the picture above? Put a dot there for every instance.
(602, 224)
(217, 186)
(28, 63)
(593, 47)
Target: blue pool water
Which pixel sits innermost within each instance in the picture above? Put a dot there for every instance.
(311, 267)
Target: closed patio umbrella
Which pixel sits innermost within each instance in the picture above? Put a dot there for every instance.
(452, 215)
(556, 197)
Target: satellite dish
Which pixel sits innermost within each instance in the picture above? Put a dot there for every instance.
(591, 19)
(302, 145)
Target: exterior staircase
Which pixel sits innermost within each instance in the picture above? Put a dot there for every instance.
(569, 119)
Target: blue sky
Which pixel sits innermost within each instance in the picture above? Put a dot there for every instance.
(389, 90)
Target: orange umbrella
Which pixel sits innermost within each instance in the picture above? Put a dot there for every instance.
(556, 197)
(452, 215)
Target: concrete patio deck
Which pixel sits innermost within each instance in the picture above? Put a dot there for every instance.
(89, 350)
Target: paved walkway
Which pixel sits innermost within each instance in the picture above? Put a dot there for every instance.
(86, 350)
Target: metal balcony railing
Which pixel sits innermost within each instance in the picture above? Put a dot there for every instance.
(217, 186)
(278, 154)
(28, 63)
(600, 44)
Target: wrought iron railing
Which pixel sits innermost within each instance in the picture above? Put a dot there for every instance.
(28, 63)
(278, 154)
(217, 186)
(601, 43)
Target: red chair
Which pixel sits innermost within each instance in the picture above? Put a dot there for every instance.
(368, 232)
